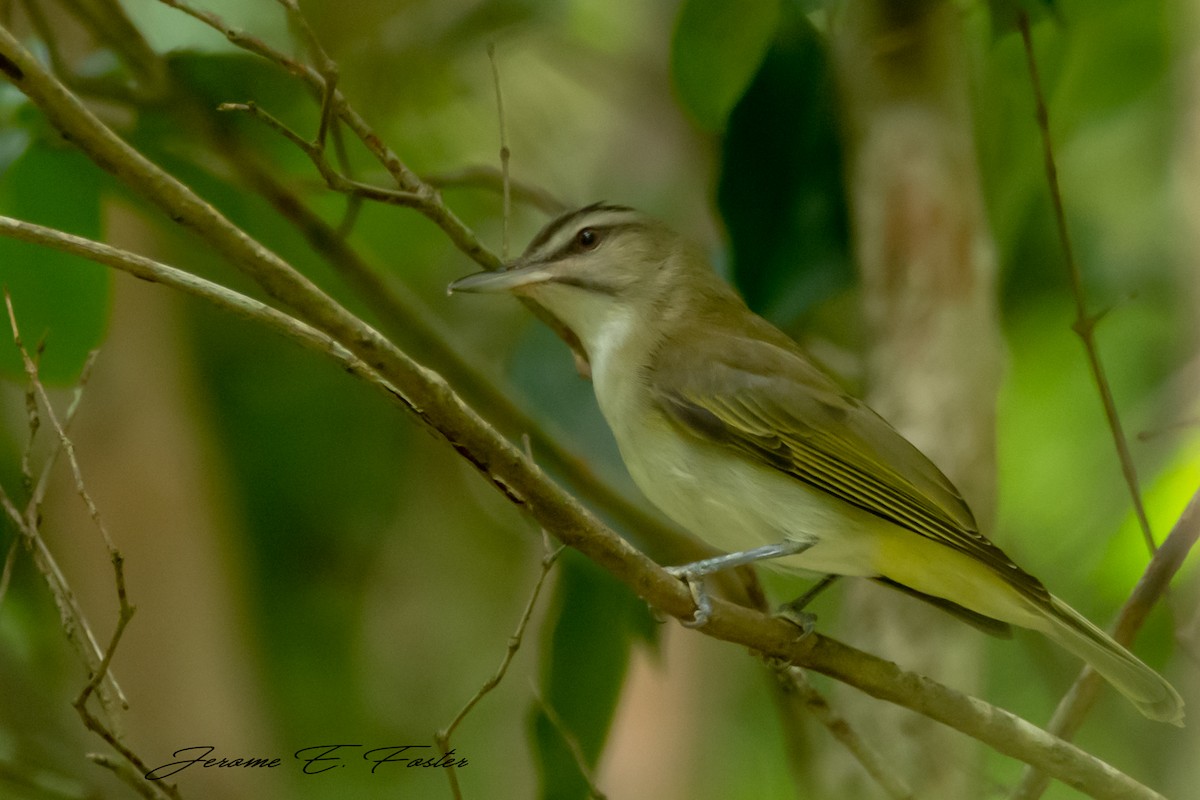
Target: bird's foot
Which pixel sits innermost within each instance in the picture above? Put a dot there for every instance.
(695, 584)
(806, 621)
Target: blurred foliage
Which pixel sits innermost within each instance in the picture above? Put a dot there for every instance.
(63, 300)
(780, 190)
(717, 48)
(378, 579)
(583, 672)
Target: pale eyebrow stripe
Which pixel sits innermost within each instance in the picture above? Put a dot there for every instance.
(607, 229)
(548, 232)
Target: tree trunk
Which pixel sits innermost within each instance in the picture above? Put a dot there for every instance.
(928, 277)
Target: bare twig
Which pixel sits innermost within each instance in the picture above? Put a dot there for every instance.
(442, 737)
(132, 767)
(412, 191)
(572, 745)
(316, 153)
(130, 775)
(28, 521)
(1085, 323)
(492, 179)
(40, 487)
(816, 705)
(325, 65)
(506, 188)
(225, 299)
(406, 180)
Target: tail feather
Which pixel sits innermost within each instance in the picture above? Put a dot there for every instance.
(1144, 687)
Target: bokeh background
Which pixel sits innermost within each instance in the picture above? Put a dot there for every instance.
(310, 567)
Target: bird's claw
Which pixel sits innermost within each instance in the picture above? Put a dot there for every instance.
(695, 584)
(803, 620)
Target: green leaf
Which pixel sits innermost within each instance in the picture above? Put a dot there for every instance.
(781, 190)
(62, 298)
(717, 47)
(596, 619)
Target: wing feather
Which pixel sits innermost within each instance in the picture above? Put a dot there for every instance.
(766, 401)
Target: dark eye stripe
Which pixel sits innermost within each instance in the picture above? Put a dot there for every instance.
(587, 284)
(573, 245)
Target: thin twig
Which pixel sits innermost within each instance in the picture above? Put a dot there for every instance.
(43, 483)
(132, 778)
(491, 179)
(99, 672)
(223, 298)
(316, 153)
(412, 191)
(442, 737)
(572, 743)
(1085, 323)
(74, 622)
(839, 727)
(325, 65)
(506, 189)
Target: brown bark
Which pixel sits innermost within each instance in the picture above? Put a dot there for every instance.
(928, 275)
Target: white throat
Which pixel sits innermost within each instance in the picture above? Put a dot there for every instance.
(613, 336)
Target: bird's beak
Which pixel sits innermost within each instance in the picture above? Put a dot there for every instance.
(512, 278)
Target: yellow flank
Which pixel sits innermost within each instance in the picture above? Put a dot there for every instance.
(938, 570)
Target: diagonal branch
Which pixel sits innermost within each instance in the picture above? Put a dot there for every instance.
(427, 202)
(427, 396)
(508, 469)
(1083, 693)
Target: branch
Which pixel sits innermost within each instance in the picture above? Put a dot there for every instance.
(225, 299)
(491, 179)
(1085, 323)
(442, 737)
(406, 319)
(505, 153)
(426, 395)
(100, 680)
(424, 198)
(508, 469)
(1082, 695)
(797, 687)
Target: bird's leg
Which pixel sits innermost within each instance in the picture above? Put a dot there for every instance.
(794, 611)
(693, 574)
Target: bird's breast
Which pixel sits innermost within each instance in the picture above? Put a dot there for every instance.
(730, 502)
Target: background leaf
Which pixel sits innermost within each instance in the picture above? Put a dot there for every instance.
(596, 622)
(717, 46)
(56, 296)
(780, 190)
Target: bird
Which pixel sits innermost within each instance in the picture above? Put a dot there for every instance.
(729, 428)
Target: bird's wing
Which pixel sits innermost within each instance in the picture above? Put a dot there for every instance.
(770, 404)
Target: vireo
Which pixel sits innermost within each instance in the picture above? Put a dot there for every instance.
(728, 427)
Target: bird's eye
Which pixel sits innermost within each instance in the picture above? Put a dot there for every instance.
(587, 239)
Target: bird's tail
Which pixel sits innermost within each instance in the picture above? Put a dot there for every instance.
(1144, 687)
